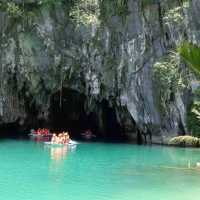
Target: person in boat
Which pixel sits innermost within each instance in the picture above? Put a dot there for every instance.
(46, 131)
(54, 138)
(66, 138)
(63, 138)
(60, 138)
(39, 131)
(33, 132)
(43, 131)
(88, 134)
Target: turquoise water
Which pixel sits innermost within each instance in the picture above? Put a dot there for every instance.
(33, 171)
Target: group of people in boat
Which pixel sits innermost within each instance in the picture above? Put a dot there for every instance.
(41, 131)
(61, 138)
(88, 134)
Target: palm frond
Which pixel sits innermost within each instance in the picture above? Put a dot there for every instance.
(191, 55)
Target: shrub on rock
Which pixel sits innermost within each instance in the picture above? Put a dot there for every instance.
(185, 141)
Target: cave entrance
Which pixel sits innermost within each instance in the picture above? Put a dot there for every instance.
(111, 128)
(68, 113)
(12, 131)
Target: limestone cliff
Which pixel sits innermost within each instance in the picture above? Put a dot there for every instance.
(103, 52)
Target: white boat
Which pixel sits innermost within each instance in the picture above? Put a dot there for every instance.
(71, 143)
(37, 135)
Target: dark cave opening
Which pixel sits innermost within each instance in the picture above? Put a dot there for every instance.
(112, 129)
(68, 114)
(13, 131)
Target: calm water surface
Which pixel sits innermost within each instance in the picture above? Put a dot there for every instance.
(33, 171)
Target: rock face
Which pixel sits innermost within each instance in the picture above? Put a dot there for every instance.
(100, 69)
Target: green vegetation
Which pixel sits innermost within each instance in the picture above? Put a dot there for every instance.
(168, 80)
(13, 9)
(121, 7)
(114, 8)
(193, 118)
(185, 141)
(190, 54)
(146, 3)
(17, 10)
(85, 12)
(175, 15)
(82, 12)
(49, 2)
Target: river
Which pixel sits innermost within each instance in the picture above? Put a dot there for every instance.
(97, 171)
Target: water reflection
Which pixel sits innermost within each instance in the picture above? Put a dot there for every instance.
(149, 161)
(39, 139)
(57, 157)
(58, 153)
(57, 165)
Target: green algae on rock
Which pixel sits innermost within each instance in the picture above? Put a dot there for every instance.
(185, 141)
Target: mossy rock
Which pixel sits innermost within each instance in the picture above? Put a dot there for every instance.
(185, 141)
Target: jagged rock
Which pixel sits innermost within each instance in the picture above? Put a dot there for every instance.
(112, 61)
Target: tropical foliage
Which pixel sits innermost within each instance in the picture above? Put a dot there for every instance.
(175, 15)
(190, 53)
(185, 141)
(85, 12)
(113, 8)
(12, 9)
(168, 80)
(146, 3)
(193, 118)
